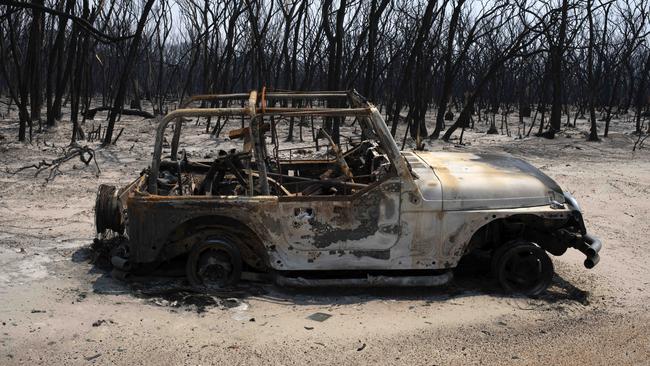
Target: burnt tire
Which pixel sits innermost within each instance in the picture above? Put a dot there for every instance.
(108, 213)
(523, 268)
(214, 264)
(498, 253)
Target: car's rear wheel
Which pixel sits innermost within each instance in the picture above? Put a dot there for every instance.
(214, 264)
(523, 268)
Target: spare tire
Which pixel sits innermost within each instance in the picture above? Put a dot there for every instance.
(108, 213)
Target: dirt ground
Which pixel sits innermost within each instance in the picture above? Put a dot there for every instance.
(56, 307)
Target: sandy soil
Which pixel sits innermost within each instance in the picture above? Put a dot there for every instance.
(58, 308)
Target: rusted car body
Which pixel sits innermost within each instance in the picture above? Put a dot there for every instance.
(402, 218)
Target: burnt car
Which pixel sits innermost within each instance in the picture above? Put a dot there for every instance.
(352, 210)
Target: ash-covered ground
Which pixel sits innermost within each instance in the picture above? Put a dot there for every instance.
(58, 307)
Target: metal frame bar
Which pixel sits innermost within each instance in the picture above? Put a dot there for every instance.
(360, 108)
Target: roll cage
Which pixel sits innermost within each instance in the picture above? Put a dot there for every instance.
(258, 107)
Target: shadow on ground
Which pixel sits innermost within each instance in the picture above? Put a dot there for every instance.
(471, 278)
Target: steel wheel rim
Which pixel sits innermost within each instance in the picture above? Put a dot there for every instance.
(214, 267)
(524, 270)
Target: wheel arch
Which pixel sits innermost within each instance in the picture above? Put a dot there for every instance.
(529, 226)
(198, 229)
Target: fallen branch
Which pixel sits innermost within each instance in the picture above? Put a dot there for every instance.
(85, 154)
(90, 113)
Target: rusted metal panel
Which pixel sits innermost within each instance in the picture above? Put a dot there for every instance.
(153, 219)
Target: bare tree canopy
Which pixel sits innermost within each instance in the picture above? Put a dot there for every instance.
(452, 58)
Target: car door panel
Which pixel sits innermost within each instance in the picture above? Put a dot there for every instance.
(366, 221)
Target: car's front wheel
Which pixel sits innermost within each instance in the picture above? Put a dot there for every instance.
(523, 267)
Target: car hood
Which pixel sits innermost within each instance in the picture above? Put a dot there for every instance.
(488, 181)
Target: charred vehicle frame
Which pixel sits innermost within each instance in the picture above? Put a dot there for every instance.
(362, 212)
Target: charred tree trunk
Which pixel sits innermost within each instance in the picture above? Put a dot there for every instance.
(77, 78)
(376, 10)
(126, 71)
(556, 55)
(640, 94)
(593, 84)
(335, 53)
(33, 64)
(21, 96)
(55, 64)
(407, 72)
(448, 80)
